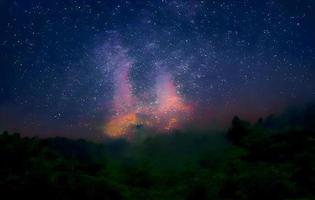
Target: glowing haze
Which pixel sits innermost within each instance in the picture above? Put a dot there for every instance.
(164, 109)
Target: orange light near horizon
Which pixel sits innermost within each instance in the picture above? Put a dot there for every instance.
(167, 113)
(119, 126)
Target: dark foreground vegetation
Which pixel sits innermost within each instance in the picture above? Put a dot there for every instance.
(271, 159)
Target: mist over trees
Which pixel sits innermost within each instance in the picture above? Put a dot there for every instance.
(273, 158)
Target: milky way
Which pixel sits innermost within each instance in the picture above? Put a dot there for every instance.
(161, 107)
(94, 68)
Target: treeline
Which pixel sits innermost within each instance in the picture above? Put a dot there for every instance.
(273, 158)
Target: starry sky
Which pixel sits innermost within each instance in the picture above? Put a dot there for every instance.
(96, 68)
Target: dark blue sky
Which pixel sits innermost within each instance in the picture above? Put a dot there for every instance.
(59, 60)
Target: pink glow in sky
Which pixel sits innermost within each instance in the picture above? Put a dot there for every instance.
(166, 112)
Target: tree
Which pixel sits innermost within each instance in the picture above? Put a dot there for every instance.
(238, 130)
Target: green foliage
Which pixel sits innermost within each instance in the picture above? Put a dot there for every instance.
(262, 162)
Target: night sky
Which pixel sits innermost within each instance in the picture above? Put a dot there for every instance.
(94, 69)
